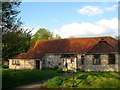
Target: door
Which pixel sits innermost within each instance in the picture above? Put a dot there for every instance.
(37, 64)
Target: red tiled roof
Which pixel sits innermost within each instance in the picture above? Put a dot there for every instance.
(75, 45)
(103, 47)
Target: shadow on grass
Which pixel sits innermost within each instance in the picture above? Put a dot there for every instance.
(95, 75)
(82, 77)
(106, 75)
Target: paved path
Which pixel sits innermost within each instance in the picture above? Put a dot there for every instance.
(32, 85)
(37, 84)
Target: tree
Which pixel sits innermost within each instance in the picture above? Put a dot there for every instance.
(44, 34)
(14, 39)
(57, 37)
(71, 37)
(10, 22)
(15, 43)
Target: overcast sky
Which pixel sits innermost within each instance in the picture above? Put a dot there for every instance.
(80, 19)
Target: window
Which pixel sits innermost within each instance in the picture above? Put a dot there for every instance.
(59, 64)
(82, 59)
(43, 61)
(96, 59)
(15, 62)
(111, 59)
(67, 55)
(48, 62)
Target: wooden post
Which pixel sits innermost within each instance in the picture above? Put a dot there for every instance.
(73, 75)
(40, 65)
(66, 69)
(75, 64)
(66, 65)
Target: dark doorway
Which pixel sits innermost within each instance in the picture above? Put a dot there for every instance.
(37, 64)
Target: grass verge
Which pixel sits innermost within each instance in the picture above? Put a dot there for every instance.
(12, 78)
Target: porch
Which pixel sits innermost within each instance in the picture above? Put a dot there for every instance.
(70, 62)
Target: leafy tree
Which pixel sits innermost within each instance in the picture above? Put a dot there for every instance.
(71, 37)
(14, 39)
(15, 43)
(44, 34)
(57, 37)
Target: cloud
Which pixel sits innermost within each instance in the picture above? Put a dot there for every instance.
(90, 10)
(112, 8)
(101, 27)
(95, 10)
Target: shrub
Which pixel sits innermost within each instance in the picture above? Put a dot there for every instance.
(5, 66)
(59, 70)
(55, 68)
(47, 68)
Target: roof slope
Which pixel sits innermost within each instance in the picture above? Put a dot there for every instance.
(102, 46)
(75, 45)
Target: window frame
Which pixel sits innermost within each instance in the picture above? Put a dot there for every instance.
(96, 59)
(43, 61)
(15, 62)
(82, 59)
(110, 59)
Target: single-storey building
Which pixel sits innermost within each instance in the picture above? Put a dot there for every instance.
(85, 54)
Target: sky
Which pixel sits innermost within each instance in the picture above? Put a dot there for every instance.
(76, 19)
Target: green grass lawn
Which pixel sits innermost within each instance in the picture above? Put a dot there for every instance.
(85, 80)
(12, 78)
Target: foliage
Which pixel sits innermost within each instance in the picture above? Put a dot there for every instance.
(71, 37)
(44, 34)
(86, 80)
(19, 43)
(57, 37)
(14, 78)
(5, 66)
(10, 22)
(14, 39)
(60, 70)
(47, 68)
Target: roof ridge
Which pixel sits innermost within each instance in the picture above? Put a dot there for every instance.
(36, 43)
(76, 38)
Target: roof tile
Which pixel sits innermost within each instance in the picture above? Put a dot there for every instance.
(75, 45)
